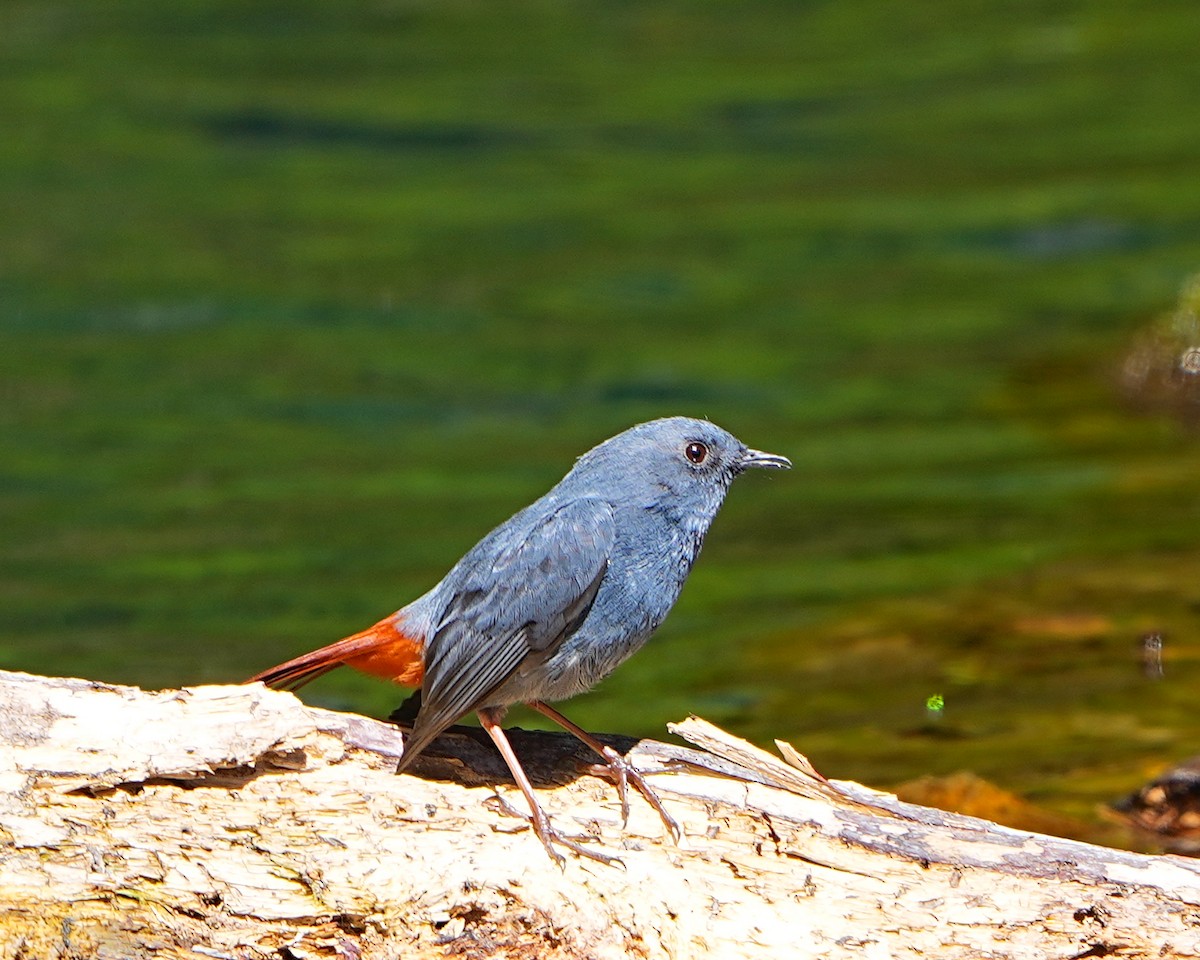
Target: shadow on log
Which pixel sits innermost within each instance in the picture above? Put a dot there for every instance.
(235, 822)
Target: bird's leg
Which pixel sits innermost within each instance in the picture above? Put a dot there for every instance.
(489, 718)
(617, 767)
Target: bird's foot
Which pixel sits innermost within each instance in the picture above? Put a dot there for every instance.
(540, 824)
(622, 773)
(616, 768)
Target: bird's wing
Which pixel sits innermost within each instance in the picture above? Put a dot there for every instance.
(517, 609)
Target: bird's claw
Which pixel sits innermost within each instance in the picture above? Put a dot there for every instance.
(539, 823)
(622, 773)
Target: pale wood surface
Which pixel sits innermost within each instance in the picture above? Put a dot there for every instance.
(236, 822)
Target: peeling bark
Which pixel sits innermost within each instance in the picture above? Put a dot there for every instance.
(234, 822)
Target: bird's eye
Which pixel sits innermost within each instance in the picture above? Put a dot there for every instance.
(696, 452)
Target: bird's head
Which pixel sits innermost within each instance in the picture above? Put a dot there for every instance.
(677, 464)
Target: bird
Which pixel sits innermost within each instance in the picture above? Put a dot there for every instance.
(555, 598)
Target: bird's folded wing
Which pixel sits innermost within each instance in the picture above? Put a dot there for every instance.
(519, 608)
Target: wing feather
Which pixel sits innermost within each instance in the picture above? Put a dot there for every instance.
(511, 609)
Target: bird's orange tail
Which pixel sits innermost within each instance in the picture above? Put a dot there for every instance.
(383, 650)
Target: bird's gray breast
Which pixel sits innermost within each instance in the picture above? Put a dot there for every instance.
(650, 562)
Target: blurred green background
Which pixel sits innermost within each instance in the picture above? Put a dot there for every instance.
(297, 300)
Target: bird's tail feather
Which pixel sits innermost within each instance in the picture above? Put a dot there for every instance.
(383, 650)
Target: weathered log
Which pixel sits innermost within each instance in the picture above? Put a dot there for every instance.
(236, 822)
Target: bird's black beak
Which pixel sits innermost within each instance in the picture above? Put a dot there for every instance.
(771, 461)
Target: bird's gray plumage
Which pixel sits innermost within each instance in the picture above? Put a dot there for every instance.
(555, 598)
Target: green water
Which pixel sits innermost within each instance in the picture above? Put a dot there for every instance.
(299, 299)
